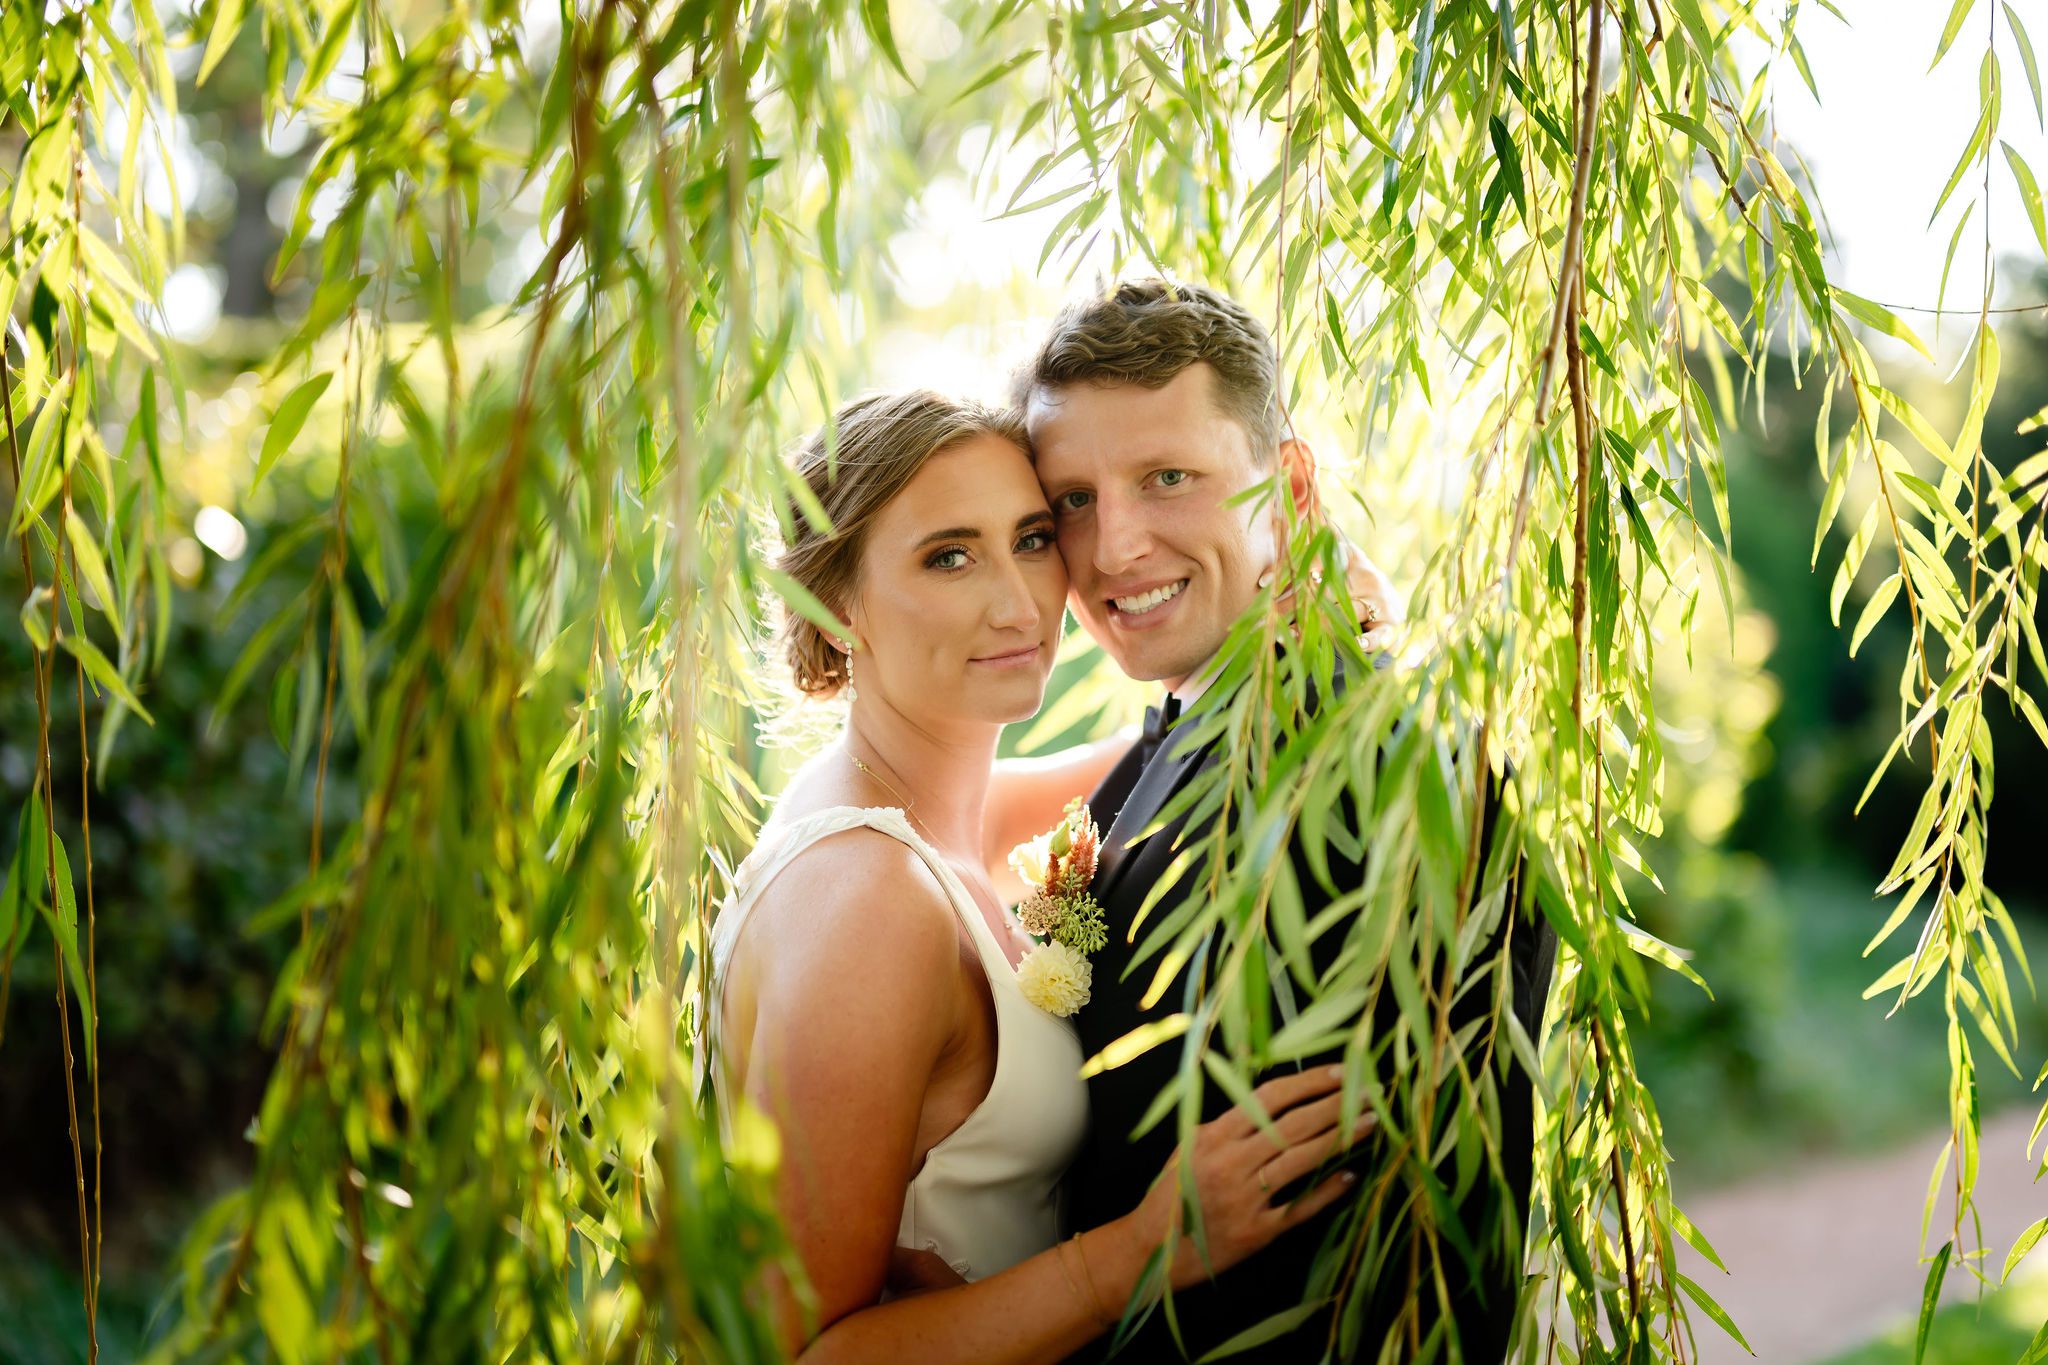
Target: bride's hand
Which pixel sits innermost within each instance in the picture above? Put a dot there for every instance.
(1373, 597)
(1239, 1170)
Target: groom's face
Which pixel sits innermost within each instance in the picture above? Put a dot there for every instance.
(1140, 482)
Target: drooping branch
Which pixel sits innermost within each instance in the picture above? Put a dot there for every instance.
(1571, 264)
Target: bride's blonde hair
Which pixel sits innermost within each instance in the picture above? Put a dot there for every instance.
(854, 467)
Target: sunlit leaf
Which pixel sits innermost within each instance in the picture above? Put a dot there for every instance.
(2030, 193)
(287, 422)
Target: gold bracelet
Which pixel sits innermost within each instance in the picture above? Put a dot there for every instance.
(1101, 1315)
(1059, 1253)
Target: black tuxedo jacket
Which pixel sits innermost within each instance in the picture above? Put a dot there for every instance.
(1111, 1172)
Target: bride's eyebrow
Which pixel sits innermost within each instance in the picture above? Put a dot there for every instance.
(974, 532)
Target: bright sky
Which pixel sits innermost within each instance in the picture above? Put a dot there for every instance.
(1880, 148)
(1888, 132)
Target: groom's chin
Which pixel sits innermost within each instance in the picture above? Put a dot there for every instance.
(1144, 661)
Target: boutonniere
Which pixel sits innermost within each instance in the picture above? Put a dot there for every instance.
(1059, 913)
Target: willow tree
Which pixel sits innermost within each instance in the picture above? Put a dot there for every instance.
(1563, 228)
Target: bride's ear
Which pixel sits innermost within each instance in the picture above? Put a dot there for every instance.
(849, 637)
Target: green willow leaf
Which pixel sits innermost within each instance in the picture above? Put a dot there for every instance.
(1923, 432)
(92, 565)
(2026, 47)
(1712, 1309)
(227, 22)
(2037, 1349)
(803, 602)
(1270, 1329)
(1973, 149)
(1930, 1296)
(287, 422)
(1879, 318)
(1948, 258)
(62, 919)
(1137, 1043)
(35, 618)
(2030, 193)
(103, 672)
(874, 16)
(1957, 13)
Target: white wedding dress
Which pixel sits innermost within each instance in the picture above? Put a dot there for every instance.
(988, 1194)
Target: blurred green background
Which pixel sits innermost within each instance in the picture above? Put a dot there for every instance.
(199, 823)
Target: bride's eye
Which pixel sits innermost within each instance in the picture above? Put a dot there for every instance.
(1033, 542)
(946, 559)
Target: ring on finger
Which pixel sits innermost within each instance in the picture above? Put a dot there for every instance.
(1263, 1186)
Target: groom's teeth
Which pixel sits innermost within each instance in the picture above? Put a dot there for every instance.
(1145, 601)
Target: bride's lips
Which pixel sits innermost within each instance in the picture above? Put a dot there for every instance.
(1016, 658)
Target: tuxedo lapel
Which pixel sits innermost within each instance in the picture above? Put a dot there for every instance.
(1170, 768)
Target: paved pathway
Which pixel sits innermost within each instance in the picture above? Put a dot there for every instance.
(1825, 1258)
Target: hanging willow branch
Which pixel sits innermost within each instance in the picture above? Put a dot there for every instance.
(485, 1095)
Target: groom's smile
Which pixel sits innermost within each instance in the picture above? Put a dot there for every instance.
(1142, 608)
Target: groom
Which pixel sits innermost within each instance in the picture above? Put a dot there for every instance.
(1149, 409)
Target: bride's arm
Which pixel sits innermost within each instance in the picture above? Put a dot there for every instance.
(1048, 1307)
(854, 955)
(1027, 795)
(855, 1008)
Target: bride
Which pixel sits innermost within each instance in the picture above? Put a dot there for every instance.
(865, 966)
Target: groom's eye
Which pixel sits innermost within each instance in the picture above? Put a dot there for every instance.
(1172, 478)
(1072, 501)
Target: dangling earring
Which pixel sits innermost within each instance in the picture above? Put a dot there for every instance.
(850, 693)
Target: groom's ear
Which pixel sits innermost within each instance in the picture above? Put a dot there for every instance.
(1297, 464)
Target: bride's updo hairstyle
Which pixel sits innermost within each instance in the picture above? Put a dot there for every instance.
(855, 467)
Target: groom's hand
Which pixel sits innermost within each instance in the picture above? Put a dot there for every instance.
(913, 1272)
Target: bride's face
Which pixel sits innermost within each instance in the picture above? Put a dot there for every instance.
(961, 590)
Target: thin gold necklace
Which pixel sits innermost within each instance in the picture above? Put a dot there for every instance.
(891, 788)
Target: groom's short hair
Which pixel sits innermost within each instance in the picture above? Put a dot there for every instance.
(1147, 331)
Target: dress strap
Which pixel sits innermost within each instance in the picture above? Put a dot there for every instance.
(775, 853)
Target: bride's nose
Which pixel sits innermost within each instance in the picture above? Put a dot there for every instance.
(1013, 607)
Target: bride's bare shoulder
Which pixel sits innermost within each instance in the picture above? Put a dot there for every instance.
(853, 885)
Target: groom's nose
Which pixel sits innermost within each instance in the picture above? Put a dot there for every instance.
(1121, 537)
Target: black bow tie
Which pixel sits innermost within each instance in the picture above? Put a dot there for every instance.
(1158, 720)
